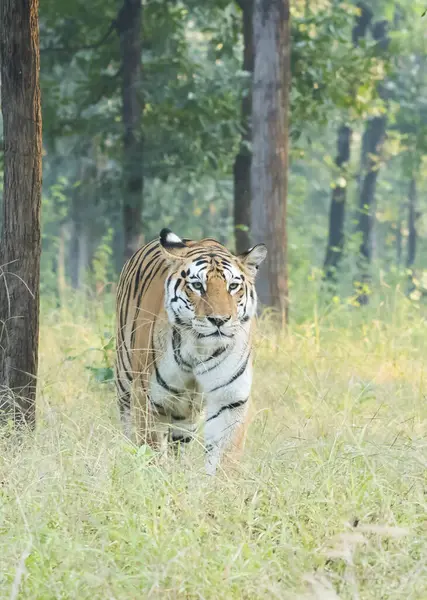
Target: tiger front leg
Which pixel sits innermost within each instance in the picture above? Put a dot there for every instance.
(151, 428)
(224, 429)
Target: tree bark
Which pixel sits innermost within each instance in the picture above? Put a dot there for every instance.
(372, 144)
(269, 172)
(337, 208)
(335, 247)
(412, 218)
(374, 139)
(129, 25)
(20, 244)
(242, 164)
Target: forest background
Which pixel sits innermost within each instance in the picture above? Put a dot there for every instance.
(357, 135)
(147, 113)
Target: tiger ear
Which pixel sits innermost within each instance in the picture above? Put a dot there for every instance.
(253, 257)
(172, 245)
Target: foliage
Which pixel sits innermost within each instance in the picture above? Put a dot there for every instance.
(329, 73)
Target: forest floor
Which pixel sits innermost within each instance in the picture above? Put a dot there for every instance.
(330, 500)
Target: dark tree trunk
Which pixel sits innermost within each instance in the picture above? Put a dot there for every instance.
(374, 138)
(412, 217)
(242, 164)
(269, 172)
(129, 25)
(372, 144)
(20, 244)
(362, 23)
(337, 209)
(335, 245)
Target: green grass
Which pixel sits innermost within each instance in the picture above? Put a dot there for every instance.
(329, 501)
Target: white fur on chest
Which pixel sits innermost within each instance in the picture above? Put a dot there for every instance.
(206, 369)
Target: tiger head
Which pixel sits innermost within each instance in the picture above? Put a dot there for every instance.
(208, 289)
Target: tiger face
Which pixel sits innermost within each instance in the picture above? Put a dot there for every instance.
(209, 289)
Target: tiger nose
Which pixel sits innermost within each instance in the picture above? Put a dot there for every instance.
(218, 321)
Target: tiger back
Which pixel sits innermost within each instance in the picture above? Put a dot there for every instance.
(185, 312)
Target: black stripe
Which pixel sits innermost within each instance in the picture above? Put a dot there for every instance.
(228, 407)
(181, 439)
(146, 267)
(121, 386)
(125, 372)
(166, 268)
(125, 349)
(214, 355)
(178, 418)
(124, 403)
(138, 274)
(179, 321)
(176, 346)
(217, 353)
(235, 376)
(149, 277)
(175, 289)
(163, 383)
(125, 308)
(137, 260)
(156, 269)
(158, 407)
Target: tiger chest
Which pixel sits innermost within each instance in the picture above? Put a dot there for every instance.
(174, 390)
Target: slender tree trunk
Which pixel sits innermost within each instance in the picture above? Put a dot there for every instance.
(20, 244)
(269, 173)
(129, 27)
(399, 235)
(242, 164)
(374, 139)
(372, 144)
(335, 246)
(412, 217)
(337, 208)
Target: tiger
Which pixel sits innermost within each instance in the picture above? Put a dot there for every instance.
(185, 315)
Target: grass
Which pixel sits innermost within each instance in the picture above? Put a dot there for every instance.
(329, 501)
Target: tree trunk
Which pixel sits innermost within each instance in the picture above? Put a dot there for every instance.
(335, 245)
(20, 247)
(269, 172)
(129, 27)
(412, 217)
(399, 235)
(337, 209)
(372, 144)
(374, 139)
(242, 164)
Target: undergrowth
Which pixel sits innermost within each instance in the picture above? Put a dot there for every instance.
(328, 502)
